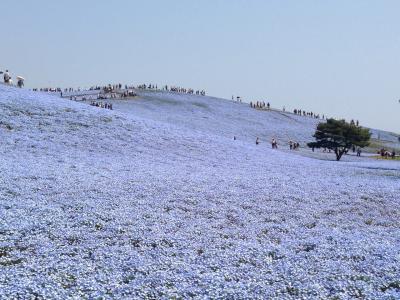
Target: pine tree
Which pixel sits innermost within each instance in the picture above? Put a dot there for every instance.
(340, 136)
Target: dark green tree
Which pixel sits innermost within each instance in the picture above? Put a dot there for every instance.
(339, 136)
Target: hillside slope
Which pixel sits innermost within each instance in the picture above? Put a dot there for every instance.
(226, 118)
(222, 117)
(148, 203)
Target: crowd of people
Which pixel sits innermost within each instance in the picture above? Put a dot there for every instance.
(304, 113)
(293, 145)
(106, 88)
(238, 98)
(110, 95)
(114, 91)
(355, 150)
(128, 93)
(274, 143)
(260, 104)
(299, 112)
(8, 79)
(147, 87)
(117, 94)
(103, 96)
(185, 91)
(47, 90)
(175, 89)
(386, 154)
(110, 88)
(102, 105)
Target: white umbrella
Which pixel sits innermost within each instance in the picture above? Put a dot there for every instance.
(20, 78)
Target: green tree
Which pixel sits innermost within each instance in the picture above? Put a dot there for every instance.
(340, 136)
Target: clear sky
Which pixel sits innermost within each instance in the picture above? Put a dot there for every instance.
(341, 58)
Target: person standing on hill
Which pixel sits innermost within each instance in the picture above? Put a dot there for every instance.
(257, 141)
(20, 82)
(6, 77)
(274, 144)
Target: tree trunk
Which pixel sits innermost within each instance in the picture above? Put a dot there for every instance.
(339, 153)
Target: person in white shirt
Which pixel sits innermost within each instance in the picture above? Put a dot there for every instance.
(7, 77)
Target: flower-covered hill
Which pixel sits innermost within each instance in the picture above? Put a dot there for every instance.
(221, 117)
(227, 119)
(128, 204)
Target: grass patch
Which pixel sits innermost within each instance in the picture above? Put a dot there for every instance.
(6, 125)
(376, 144)
(392, 285)
(199, 104)
(383, 158)
(11, 262)
(105, 120)
(70, 110)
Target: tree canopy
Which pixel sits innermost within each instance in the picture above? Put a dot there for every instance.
(340, 136)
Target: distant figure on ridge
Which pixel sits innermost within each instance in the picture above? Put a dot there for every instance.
(6, 77)
(20, 82)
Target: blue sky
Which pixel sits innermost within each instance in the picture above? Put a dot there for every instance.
(341, 58)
